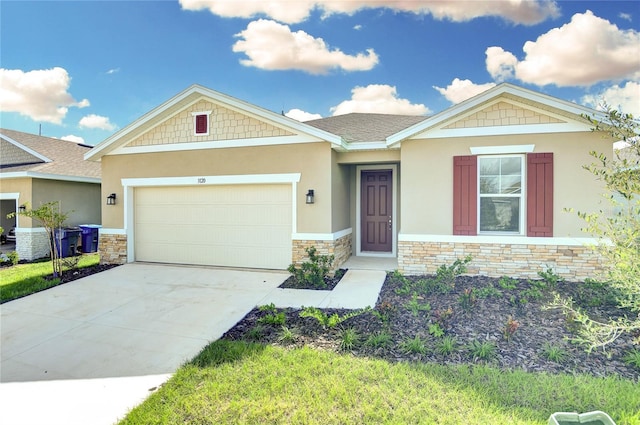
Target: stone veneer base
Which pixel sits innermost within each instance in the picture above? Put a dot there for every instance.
(574, 263)
(113, 249)
(340, 249)
(32, 245)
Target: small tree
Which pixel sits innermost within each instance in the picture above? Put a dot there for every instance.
(619, 230)
(51, 218)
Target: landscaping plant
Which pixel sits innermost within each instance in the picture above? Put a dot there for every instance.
(619, 232)
(313, 272)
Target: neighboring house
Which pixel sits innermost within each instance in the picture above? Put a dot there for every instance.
(208, 179)
(35, 170)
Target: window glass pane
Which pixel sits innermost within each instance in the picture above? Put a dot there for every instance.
(499, 214)
(510, 184)
(510, 166)
(489, 184)
(489, 166)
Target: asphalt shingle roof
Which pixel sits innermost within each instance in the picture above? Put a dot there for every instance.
(67, 158)
(362, 127)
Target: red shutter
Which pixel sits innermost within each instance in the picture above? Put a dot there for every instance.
(201, 124)
(540, 194)
(465, 195)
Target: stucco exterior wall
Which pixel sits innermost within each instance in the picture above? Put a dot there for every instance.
(427, 183)
(81, 200)
(224, 124)
(340, 192)
(23, 186)
(311, 160)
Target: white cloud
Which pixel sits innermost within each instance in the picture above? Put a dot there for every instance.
(526, 12)
(302, 116)
(583, 52)
(378, 98)
(500, 63)
(96, 121)
(41, 95)
(273, 46)
(72, 138)
(357, 27)
(460, 90)
(112, 71)
(625, 16)
(625, 98)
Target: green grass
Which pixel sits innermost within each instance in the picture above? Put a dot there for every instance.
(244, 383)
(25, 279)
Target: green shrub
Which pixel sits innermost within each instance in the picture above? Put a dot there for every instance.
(416, 345)
(506, 282)
(415, 306)
(446, 346)
(313, 272)
(554, 353)
(329, 321)
(349, 339)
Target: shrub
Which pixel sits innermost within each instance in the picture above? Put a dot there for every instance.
(378, 340)
(482, 350)
(349, 339)
(446, 346)
(313, 272)
(416, 345)
(554, 353)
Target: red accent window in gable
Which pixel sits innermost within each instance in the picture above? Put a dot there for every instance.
(540, 194)
(465, 195)
(202, 124)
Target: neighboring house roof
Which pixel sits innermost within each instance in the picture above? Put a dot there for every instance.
(30, 155)
(365, 127)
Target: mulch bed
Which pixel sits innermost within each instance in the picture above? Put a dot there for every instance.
(482, 321)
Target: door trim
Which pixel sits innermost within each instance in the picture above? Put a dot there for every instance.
(394, 201)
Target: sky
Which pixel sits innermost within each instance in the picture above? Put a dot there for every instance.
(82, 70)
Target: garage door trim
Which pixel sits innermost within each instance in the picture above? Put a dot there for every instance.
(131, 183)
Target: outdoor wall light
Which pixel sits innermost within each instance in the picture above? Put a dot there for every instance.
(310, 196)
(22, 208)
(111, 199)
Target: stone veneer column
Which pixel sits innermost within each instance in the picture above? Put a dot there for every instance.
(112, 249)
(33, 244)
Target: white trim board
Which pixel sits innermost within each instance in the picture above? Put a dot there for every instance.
(503, 240)
(321, 236)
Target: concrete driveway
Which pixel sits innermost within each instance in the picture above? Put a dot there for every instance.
(90, 350)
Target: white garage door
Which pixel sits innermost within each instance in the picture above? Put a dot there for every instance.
(230, 225)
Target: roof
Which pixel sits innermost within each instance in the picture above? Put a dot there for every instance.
(365, 127)
(30, 155)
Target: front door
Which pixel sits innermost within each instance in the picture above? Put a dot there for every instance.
(375, 209)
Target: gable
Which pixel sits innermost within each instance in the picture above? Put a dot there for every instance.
(503, 114)
(11, 154)
(225, 124)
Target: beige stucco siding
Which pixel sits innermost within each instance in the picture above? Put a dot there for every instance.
(224, 124)
(22, 186)
(81, 200)
(340, 193)
(427, 184)
(312, 161)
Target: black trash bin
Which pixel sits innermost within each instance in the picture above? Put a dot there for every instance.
(66, 241)
(89, 237)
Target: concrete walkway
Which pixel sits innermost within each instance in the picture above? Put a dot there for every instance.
(88, 351)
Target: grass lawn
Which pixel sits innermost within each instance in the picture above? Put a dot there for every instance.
(25, 279)
(237, 382)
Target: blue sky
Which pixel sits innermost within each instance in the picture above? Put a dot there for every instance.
(84, 69)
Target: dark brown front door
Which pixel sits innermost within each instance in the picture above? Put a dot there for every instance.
(375, 210)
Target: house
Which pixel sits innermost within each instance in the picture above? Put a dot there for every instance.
(208, 179)
(35, 170)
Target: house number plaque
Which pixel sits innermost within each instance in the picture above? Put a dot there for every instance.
(202, 180)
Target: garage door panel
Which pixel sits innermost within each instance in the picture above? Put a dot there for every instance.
(235, 225)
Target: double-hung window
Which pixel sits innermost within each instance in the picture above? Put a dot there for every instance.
(501, 194)
(509, 194)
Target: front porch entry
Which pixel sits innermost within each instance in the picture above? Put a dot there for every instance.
(376, 230)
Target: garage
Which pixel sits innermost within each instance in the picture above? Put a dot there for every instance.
(239, 225)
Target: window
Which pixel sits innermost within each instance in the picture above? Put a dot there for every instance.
(500, 193)
(201, 123)
(489, 191)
